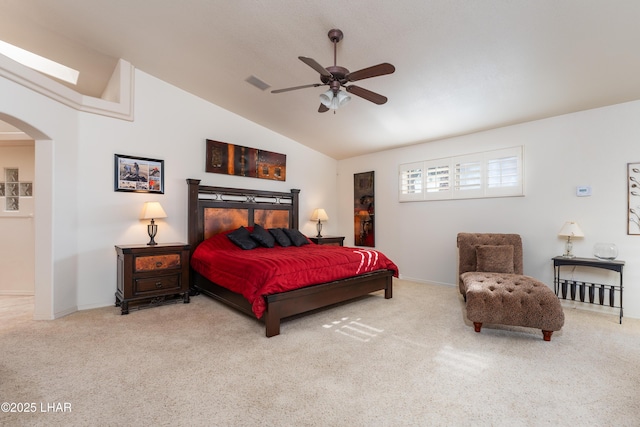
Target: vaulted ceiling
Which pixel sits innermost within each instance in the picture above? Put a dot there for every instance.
(461, 66)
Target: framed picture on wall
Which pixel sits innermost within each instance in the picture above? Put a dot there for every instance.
(138, 174)
(231, 159)
(633, 199)
(364, 209)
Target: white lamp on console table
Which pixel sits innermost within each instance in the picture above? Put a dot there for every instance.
(570, 229)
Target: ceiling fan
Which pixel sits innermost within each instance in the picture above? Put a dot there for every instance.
(336, 77)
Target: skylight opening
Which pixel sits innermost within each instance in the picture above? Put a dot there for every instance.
(39, 63)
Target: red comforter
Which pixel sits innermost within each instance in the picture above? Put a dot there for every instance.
(264, 271)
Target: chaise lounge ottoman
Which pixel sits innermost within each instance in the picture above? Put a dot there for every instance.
(496, 291)
(512, 299)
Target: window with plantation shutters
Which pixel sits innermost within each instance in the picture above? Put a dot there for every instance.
(410, 180)
(438, 177)
(468, 176)
(504, 173)
(496, 173)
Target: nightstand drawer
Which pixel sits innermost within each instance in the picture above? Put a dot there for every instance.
(157, 283)
(157, 262)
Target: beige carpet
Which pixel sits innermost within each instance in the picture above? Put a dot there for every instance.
(413, 360)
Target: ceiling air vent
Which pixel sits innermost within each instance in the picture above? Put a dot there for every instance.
(253, 80)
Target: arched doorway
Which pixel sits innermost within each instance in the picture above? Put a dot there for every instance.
(43, 218)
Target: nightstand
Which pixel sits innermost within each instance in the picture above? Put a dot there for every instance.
(328, 240)
(152, 273)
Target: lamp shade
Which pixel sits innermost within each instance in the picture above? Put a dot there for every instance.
(570, 229)
(319, 215)
(342, 98)
(152, 210)
(326, 98)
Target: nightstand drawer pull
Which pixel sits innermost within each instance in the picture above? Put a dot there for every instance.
(157, 262)
(158, 285)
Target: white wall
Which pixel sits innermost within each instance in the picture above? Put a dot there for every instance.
(17, 228)
(587, 148)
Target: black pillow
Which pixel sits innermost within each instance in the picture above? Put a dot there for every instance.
(297, 238)
(242, 238)
(280, 236)
(262, 236)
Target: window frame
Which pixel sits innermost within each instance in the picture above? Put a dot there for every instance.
(508, 161)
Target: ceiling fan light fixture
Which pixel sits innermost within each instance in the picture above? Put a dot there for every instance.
(332, 100)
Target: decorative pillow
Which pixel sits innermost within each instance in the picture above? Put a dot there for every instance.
(262, 236)
(297, 238)
(494, 259)
(280, 236)
(242, 238)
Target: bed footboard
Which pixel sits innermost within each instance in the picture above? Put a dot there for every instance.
(290, 303)
(282, 305)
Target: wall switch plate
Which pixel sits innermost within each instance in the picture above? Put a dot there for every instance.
(583, 191)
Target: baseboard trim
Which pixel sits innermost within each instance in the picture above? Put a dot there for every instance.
(17, 293)
(430, 282)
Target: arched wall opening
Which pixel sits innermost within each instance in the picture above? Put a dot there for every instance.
(43, 218)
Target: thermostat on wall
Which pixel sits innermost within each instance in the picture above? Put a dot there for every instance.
(583, 191)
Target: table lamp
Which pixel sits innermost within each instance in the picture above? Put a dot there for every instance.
(152, 210)
(570, 229)
(319, 215)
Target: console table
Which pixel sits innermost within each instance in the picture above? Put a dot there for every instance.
(562, 287)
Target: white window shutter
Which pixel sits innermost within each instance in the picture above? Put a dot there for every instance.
(438, 179)
(411, 182)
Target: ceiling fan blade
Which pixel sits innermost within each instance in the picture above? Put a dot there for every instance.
(296, 88)
(367, 94)
(374, 71)
(313, 64)
(323, 108)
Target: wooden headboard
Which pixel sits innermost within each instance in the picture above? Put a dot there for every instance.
(212, 210)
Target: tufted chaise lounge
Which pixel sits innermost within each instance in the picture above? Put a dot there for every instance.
(496, 291)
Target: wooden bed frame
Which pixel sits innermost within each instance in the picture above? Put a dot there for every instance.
(215, 209)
